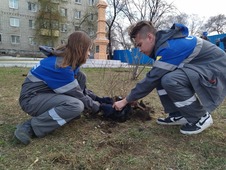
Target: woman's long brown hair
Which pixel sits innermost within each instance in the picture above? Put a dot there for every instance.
(75, 51)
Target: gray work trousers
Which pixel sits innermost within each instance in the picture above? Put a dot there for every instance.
(50, 110)
(177, 94)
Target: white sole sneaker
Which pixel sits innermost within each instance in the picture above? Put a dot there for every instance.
(190, 129)
(179, 120)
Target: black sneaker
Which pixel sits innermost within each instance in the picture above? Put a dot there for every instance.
(172, 120)
(24, 132)
(195, 128)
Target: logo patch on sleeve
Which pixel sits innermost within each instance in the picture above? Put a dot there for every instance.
(158, 57)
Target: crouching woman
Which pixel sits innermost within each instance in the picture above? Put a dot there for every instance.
(51, 94)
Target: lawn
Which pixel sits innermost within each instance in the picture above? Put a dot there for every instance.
(96, 144)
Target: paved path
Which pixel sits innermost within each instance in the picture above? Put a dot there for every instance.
(8, 61)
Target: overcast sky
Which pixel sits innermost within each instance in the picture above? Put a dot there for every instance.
(204, 8)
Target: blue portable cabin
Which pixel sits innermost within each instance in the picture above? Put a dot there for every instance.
(213, 39)
(133, 57)
(122, 55)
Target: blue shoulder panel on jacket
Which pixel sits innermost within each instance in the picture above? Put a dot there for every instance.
(176, 50)
(55, 77)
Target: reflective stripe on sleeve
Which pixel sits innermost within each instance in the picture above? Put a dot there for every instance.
(32, 78)
(164, 65)
(67, 87)
(162, 92)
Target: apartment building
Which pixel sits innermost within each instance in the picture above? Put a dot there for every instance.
(18, 24)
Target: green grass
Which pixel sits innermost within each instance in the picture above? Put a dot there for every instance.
(92, 144)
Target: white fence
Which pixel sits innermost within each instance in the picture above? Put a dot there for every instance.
(8, 61)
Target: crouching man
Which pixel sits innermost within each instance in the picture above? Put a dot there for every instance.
(189, 75)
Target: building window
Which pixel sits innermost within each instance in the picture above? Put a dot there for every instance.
(15, 39)
(45, 24)
(90, 31)
(77, 27)
(31, 24)
(32, 7)
(63, 27)
(51, 7)
(13, 4)
(91, 17)
(55, 24)
(50, 24)
(97, 49)
(54, 1)
(91, 2)
(63, 12)
(63, 42)
(78, 1)
(14, 22)
(78, 14)
(31, 41)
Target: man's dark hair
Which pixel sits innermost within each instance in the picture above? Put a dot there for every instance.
(142, 28)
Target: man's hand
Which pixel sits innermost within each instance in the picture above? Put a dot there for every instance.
(119, 105)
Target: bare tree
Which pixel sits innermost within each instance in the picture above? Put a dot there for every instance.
(122, 13)
(115, 7)
(122, 36)
(87, 22)
(193, 22)
(216, 24)
(152, 10)
(170, 19)
(47, 23)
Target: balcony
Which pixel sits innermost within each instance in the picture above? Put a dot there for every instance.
(47, 32)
